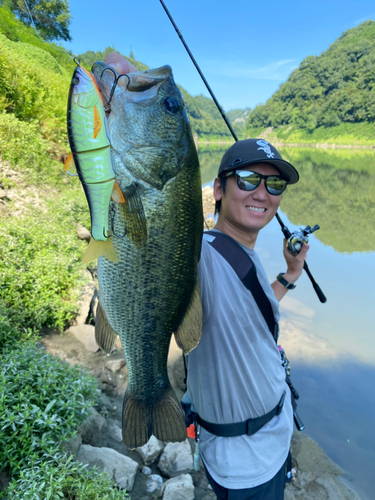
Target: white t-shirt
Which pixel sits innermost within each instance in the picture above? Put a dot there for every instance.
(235, 373)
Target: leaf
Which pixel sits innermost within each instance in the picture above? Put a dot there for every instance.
(49, 406)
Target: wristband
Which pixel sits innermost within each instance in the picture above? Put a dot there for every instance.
(284, 282)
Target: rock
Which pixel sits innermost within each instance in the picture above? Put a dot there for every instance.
(176, 458)
(146, 470)
(94, 305)
(85, 298)
(309, 457)
(106, 402)
(115, 365)
(92, 426)
(181, 488)
(107, 382)
(71, 445)
(123, 469)
(151, 450)
(336, 489)
(83, 233)
(154, 486)
(114, 430)
(86, 335)
(288, 493)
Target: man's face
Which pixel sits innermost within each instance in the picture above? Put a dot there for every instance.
(247, 211)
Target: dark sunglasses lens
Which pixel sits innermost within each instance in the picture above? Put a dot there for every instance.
(275, 185)
(248, 180)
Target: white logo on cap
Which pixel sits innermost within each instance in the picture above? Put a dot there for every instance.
(264, 145)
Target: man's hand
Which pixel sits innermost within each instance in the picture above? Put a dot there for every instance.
(119, 63)
(294, 269)
(294, 262)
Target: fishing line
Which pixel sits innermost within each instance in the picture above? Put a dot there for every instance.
(199, 71)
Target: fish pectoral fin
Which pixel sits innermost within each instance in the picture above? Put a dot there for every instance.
(105, 336)
(117, 195)
(97, 248)
(189, 332)
(136, 225)
(165, 420)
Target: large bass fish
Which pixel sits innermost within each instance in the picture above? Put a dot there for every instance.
(153, 290)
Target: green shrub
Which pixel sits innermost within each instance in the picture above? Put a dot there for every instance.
(42, 402)
(60, 478)
(22, 144)
(10, 334)
(40, 271)
(34, 86)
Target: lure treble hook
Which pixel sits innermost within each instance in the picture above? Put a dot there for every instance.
(107, 108)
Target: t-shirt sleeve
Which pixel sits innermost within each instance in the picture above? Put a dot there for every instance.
(206, 280)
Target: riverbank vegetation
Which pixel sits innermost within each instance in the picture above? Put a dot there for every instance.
(42, 400)
(330, 98)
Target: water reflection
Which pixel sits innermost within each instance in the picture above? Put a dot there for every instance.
(337, 191)
(331, 346)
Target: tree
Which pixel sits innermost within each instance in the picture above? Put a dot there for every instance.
(51, 17)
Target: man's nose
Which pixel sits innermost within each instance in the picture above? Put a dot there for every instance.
(261, 191)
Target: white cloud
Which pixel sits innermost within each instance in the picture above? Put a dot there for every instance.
(278, 70)
(297, 307)
(302, 345)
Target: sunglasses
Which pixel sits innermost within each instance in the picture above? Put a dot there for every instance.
(248, 181)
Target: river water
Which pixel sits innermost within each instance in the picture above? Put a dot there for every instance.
(331, 346)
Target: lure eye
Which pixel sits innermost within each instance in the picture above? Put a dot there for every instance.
(171, 105)
(75, 80)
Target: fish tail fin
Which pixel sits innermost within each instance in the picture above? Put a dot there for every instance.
(165, 420)
(105, 336)
(97, 248)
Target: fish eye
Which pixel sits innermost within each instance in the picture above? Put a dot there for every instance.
(171, 104)
(75, 80)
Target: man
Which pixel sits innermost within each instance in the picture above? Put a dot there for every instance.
(235, 372)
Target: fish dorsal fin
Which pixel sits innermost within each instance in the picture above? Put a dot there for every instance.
(189, 332)
(70, 167)
(105, 336)
(97, 248)
(117, 195)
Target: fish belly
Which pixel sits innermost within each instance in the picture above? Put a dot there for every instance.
(145, 297)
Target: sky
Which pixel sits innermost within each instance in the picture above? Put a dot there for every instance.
(245, 49)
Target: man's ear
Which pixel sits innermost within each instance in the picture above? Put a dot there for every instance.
(218, 190)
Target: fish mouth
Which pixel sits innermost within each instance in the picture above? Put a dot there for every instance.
(108, 79)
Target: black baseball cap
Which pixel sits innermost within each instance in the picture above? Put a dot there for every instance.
(249, 151)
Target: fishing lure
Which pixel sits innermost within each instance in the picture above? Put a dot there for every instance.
(91, 159)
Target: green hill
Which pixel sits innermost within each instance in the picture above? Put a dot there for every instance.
(329, 98)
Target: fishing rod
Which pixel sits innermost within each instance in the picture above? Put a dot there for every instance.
(200, 72)
(294, 240)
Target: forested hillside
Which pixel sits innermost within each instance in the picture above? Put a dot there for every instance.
(328, 95)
